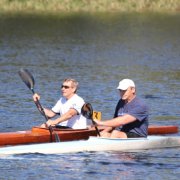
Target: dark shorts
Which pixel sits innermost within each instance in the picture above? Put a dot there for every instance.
(62, 127)
(132, 135)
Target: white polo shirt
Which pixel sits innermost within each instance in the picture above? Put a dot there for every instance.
(75, 102)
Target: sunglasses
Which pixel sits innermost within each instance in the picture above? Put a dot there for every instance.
(65, 87)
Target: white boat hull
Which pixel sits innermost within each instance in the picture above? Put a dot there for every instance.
(95, 144)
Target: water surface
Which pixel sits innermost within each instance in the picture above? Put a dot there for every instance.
(98, 51)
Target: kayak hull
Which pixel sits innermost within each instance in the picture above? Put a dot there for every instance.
(42, 135)
(159, 130)
(95, 144)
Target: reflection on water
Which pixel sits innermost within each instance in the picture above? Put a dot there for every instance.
(161, 164)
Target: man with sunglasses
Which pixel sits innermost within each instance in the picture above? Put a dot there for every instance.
(68, 107)
(130, 117)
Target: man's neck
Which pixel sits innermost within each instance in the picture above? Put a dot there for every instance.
(70, 96)
(130, 99)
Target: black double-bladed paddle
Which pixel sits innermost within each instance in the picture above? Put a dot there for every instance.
(87, 111)
(28, 79)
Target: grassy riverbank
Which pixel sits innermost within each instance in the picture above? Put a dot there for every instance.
(90, 6)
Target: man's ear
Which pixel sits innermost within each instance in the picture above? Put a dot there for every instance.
(133, 89)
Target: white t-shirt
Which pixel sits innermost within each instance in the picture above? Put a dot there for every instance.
(75, 102)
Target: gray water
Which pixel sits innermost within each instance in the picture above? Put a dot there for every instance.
(98, 51)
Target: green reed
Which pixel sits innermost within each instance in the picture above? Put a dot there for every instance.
(91, 6)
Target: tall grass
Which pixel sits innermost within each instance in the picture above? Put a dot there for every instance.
(66, 6)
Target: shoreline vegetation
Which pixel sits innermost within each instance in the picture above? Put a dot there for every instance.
(58, 7)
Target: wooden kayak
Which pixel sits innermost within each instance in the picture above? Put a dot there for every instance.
(42, 135)
(95, 144)
(157, 130)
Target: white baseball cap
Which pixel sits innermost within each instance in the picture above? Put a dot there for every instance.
(125, 83)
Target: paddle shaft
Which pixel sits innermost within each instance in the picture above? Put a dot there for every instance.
(38, 105)
(97, 130)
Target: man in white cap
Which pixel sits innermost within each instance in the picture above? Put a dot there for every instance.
(130, 117)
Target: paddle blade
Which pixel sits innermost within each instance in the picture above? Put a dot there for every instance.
(27, 78)
(87, 111)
